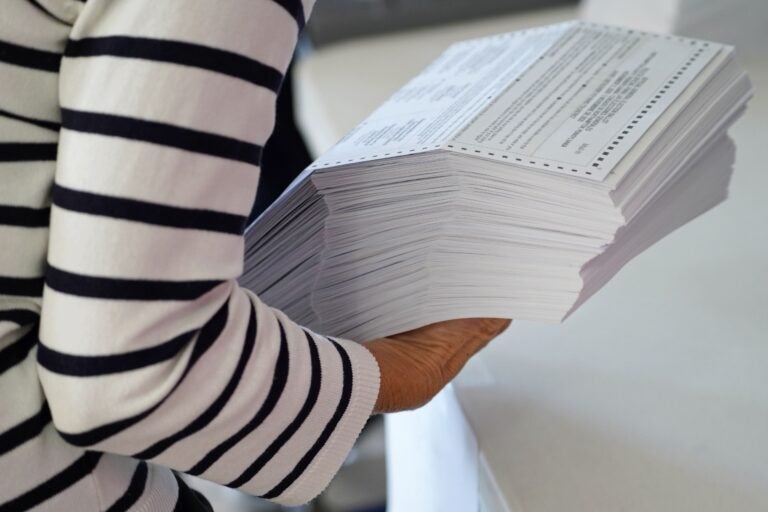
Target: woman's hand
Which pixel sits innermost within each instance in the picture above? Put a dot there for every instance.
(416, 364)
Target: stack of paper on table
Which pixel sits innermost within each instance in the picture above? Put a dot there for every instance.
(512, 178)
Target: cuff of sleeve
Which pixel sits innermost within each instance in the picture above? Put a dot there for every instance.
(365, 391)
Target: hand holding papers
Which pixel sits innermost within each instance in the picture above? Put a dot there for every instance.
(512, 178)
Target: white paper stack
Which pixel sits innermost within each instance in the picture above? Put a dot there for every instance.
(512, 178)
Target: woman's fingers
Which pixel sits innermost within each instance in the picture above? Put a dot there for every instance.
(401, 387)
(415, 365)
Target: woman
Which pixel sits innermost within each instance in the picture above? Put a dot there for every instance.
(130, 142)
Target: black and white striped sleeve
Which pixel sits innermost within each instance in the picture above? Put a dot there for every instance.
(148, 346)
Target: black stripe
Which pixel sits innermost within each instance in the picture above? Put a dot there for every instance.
(293, 427)
(42, 9)
(42, 123)
(303, 464)
(27, 151)
(16, 352)
(215, 408)
(279, 379)
(144, 211)
(54, 485)
(21, 286)
(29, 57)
(19, 316)
(24, 216)
(190, 500)
(88, 366)
(295, 8)
(125, 289)
(178, 52)
(133, 492)
(24, 431)
(209, 333)
(163, 134)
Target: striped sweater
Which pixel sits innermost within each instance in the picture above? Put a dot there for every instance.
(130, 142)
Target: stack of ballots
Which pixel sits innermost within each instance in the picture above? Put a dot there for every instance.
(512, 178)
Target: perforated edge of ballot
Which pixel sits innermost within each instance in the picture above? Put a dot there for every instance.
(571, 98)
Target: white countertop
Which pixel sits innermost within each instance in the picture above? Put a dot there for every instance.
(651, 397)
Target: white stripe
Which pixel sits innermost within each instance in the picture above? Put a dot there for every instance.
(155, 252)
(88, 326)
(23, 251)
(120, 396)
(121, 86)
(260, 29)
(22, 24)
(13, 130)
(20, 398)
(148, 172)
(26, 183)
(30, 88)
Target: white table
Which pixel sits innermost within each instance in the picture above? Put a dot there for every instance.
(652, 397)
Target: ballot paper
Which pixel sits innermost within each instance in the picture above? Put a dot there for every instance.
(512, 178)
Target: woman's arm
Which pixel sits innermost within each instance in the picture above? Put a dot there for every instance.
(148, 346)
